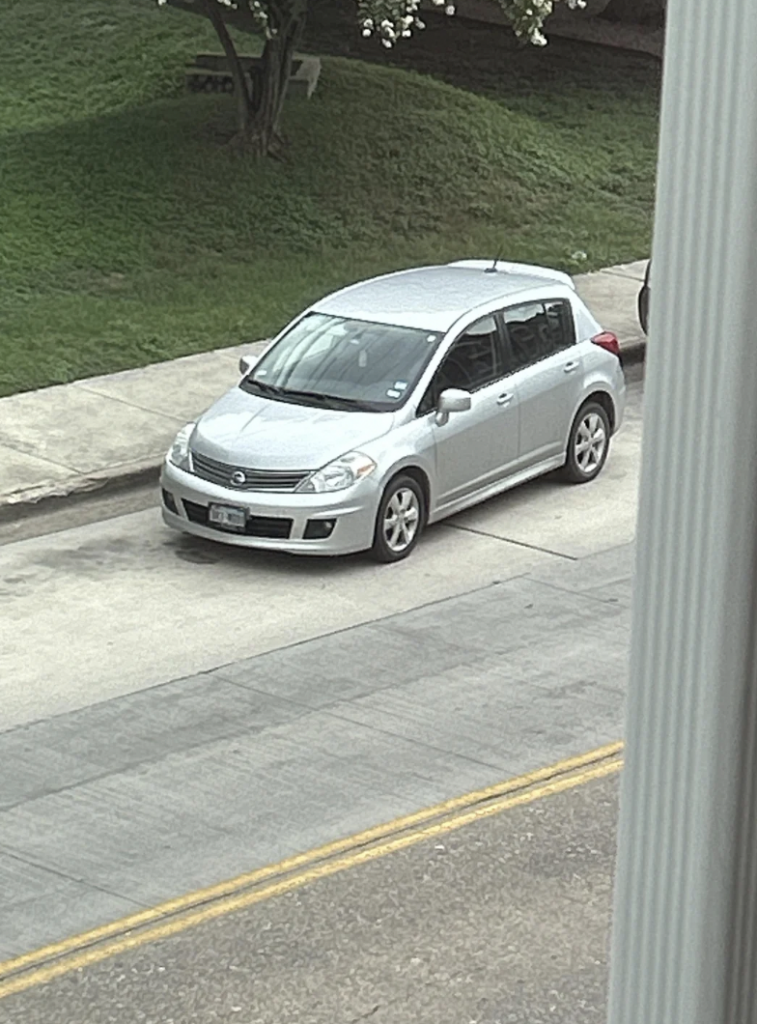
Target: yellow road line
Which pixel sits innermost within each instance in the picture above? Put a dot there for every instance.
(249, 878)
(226, 896)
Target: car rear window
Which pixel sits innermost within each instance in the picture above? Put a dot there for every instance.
(537, 330)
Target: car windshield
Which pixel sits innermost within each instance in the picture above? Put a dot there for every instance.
(336, 363)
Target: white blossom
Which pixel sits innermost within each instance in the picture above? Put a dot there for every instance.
(391, 20)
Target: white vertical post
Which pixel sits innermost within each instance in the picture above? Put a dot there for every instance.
(685, 921)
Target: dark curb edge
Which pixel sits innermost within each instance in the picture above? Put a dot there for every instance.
(80, 488)
(46, 497)
(634, 353)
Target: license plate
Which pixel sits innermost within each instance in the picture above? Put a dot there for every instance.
(227, 517)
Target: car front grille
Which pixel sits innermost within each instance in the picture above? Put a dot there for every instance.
(273, 527)
(222, 473)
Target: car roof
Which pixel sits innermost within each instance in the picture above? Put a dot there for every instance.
(434, 298)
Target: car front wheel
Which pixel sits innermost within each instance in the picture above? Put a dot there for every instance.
(399, 521)
(588, 444)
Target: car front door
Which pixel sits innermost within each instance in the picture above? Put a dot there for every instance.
(547, 370)
(473, 448)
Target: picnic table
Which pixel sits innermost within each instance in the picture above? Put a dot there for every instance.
(210, 72)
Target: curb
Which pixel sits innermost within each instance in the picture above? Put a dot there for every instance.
(634, 353)
(600, 32)
(45, 497)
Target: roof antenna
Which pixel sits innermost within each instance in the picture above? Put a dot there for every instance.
(493, 268)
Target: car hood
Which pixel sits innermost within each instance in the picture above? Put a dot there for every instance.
(248, 430)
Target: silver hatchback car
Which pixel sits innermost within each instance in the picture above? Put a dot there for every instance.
(396, 402)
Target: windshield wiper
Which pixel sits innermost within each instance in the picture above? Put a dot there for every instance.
(261, 385)
(307, 397)
(327, 401)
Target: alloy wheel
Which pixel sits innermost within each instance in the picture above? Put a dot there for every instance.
(590, 443)
(401, 519)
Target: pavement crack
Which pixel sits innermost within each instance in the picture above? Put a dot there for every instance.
(106, 397)
(416, 742)
(616, 602)
(365, 1016)
(234, 732)
(377, 620)
(508, 540)
(34, 862)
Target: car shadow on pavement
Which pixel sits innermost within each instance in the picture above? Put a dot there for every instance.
(200, 551)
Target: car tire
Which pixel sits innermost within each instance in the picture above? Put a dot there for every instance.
(400, 519)
(588, 444)
(644, 309)
(643, 302)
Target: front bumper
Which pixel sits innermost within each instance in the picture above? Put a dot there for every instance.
(294, 523)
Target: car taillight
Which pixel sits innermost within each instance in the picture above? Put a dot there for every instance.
(608, 341)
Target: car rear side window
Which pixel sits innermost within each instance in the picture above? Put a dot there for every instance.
(537, 330)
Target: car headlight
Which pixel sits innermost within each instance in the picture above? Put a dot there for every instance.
(178, 453)
(339, 474)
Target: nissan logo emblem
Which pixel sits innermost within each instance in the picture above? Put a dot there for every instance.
(238, 478)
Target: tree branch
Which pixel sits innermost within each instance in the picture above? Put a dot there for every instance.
(240, 18)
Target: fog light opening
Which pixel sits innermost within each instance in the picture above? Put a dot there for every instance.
(319, 529)
(170, 502)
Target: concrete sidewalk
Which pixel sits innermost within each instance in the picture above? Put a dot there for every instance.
(78, 437)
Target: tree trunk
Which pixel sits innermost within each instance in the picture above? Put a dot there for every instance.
(263, 135)
(241, 90)
(259, 109)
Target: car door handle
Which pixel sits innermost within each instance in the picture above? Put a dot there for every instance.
(505, 399)
(571, 366)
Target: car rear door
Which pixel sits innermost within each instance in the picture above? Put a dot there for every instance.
(547, 370)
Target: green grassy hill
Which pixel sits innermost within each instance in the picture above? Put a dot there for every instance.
(129, 233)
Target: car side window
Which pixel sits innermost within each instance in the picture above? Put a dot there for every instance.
(536, 330)
(473, 361)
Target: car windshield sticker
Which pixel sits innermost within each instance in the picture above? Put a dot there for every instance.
(400, 385)
(393, 394)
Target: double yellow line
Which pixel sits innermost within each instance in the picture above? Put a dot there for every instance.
(178, 915)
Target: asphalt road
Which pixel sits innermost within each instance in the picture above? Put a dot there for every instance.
(505, 921)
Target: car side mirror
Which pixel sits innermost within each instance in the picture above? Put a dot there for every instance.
(246, 363)
(451, 400)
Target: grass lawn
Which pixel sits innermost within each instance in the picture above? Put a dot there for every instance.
(129, 233)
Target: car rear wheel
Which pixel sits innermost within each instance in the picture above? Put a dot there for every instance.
(644, 309)
(588, 444)
(643, 302)
(399, 521)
